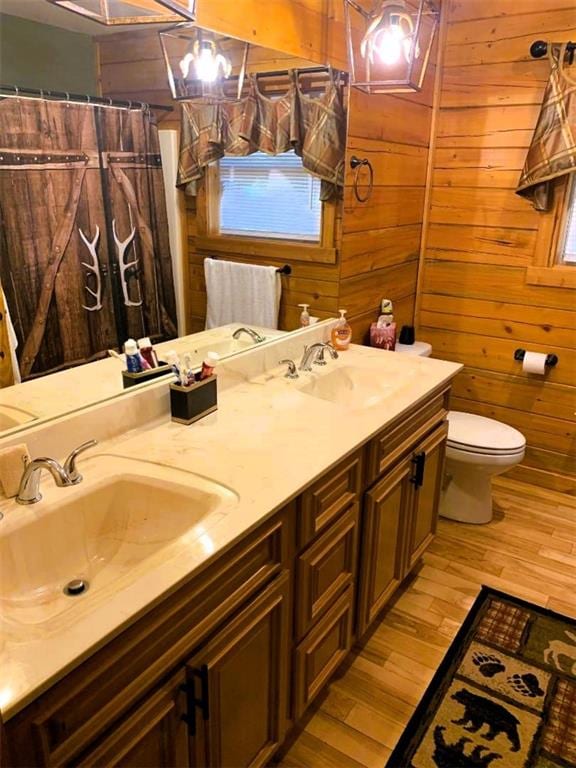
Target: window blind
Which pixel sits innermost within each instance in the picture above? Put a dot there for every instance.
(269, 196)
(569, 252)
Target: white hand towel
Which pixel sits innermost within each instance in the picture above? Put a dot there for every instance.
(13, 342)
(241, 293)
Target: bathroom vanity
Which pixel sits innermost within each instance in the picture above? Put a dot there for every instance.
(227, 638)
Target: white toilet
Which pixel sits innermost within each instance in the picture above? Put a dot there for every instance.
(477, 450)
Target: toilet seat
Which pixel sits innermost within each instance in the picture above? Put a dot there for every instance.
(472, 434)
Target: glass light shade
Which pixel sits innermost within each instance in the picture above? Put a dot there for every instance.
(197, 59)
(117, 12)
(389, 45)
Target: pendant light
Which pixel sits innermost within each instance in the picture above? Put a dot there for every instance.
(117, 12)
(196, 60)
(389, 45)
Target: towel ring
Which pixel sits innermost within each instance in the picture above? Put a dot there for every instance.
(357, 164)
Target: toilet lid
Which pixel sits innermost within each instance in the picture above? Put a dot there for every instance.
(469, 432)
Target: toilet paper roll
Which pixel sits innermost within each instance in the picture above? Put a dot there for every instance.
(534, 362)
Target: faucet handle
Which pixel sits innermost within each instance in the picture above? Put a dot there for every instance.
(331, 349)
(291, 373)
(70, 464)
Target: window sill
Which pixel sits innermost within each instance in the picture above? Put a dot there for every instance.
(290, 250)
(558, 276)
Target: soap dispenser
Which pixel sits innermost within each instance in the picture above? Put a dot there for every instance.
(341, 333)
(304, 316)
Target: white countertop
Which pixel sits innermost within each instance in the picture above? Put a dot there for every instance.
(266, 442)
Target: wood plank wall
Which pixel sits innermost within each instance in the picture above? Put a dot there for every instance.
(378, 241)
(381, 238)
(476, 306)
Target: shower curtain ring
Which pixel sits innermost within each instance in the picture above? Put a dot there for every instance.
(88, 100)
(129, 103)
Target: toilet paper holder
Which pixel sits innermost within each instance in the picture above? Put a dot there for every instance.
(551, 360)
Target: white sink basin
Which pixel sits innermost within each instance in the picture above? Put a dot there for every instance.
(106, 532)
(11, 416)
(352, 387)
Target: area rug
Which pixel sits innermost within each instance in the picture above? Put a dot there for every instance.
(504, 695)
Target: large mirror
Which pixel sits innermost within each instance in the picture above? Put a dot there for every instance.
(189, 226)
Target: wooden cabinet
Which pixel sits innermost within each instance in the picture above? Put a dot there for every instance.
(429, 464)
(399, 522)
(155, 734)
(237, 685)
(386, 507)
(216, 673)
(322, 651)
(325, 569)
(328, 497)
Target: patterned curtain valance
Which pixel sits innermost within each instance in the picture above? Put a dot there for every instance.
(552, 152)
(314, 127)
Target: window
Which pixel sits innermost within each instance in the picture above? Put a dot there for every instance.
(567, 254)
(269, 196)
(554, 261)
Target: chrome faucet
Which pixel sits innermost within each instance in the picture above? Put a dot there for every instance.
(70, 464)
(315, 354)
(291, 373)
(29, 490)
(256, 338)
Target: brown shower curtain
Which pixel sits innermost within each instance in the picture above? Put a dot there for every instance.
(84, 253)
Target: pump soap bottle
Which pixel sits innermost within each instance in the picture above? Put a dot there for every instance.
(341, 333)
(304, 316)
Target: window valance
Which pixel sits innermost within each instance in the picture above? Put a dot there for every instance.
(313, 126)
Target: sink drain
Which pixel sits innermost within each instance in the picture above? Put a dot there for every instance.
(75, 587)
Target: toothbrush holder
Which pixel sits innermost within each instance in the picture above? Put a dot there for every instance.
(188, 404)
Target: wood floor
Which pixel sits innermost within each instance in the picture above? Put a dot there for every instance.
(529, 550)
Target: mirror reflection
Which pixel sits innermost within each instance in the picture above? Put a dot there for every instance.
(127, 225)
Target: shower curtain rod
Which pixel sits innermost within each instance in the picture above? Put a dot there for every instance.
(79, 98)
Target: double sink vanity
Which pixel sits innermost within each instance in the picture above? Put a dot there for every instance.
(187, 601)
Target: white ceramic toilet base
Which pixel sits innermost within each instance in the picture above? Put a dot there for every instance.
(466, 497)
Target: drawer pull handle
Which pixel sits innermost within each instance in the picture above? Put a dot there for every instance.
(419, 461)
(192, 701)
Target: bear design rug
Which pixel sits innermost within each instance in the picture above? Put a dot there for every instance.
(504, 695)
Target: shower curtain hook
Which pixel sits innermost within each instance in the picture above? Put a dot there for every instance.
(17, 90)
(110, 101)
(88, 99)
(129, 103)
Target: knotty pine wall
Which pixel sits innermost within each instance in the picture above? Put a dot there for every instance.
(476, 306)
(377, 242)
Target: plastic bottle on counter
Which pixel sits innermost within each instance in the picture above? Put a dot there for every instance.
(209, 365)
(304, 315)
(133, 362)
(341, 333)
(147, 352)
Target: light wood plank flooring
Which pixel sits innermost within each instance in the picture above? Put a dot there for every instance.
(529, 550)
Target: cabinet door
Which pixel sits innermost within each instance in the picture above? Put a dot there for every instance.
(428, 460)
(386, 508)
(238, 685)
(154, 734)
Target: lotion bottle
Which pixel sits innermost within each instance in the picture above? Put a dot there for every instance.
(341, 333)
(304, 316)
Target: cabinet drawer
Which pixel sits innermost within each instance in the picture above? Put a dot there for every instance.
(329, 496)
(322, 651)
(326, 568)
(396, 440)
(61, 723)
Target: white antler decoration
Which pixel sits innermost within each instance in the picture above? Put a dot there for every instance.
(94, 268)
(122, 246)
